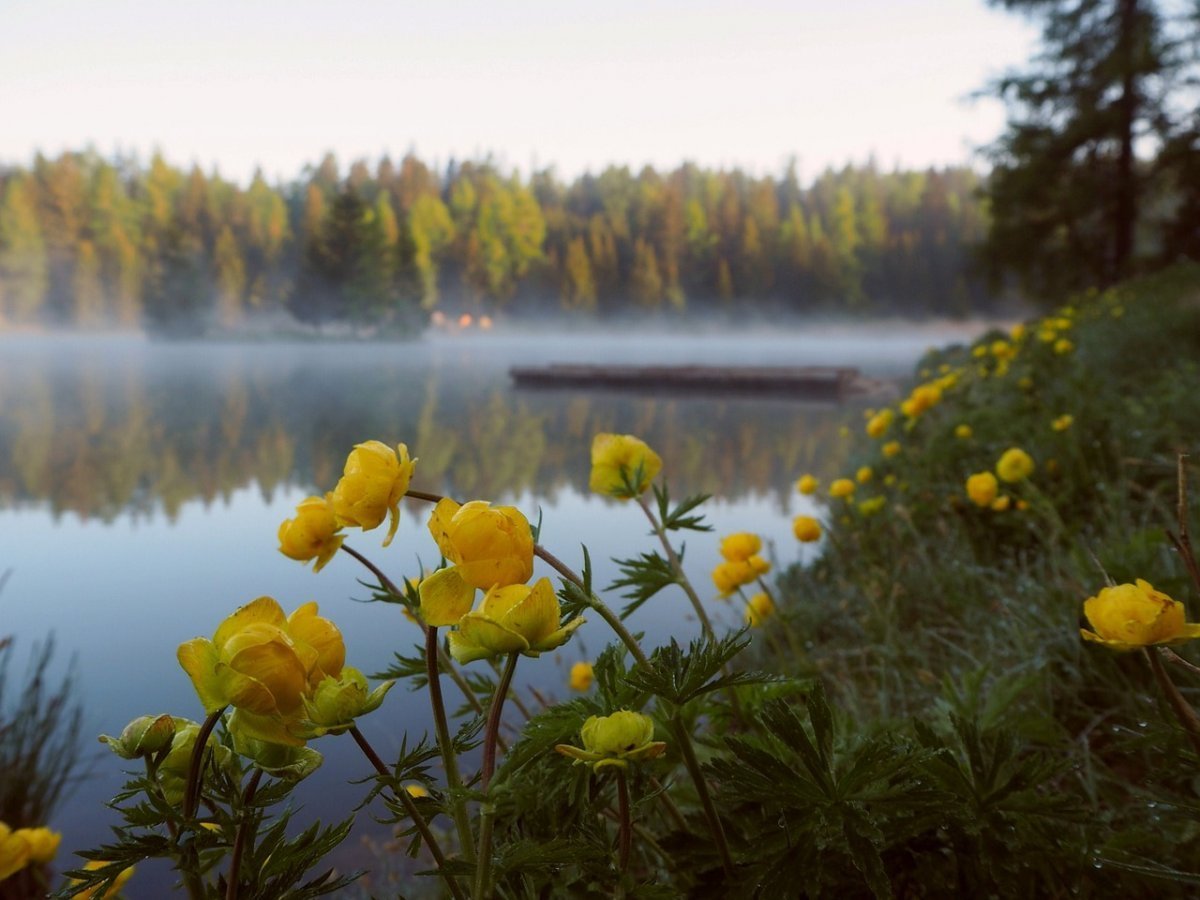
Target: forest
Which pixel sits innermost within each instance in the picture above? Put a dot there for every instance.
(88, 243)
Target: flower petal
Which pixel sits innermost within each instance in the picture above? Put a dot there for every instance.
(264, 609)
(445, 598)
(199, 659)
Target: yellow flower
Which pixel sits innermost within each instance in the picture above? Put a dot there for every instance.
(922, 398)
(730, 575)
(263, 663)
(173, 770)
(807, 484)
(313, 534)
(1047, 333)
(374, 480)
(15, 851)
(113, 890)
(582, 676)
(615, 741)
(622, 465)
(982, 488)
(512, 619)
(489, 545)
(1017, 332)
(890, 449)
(1063, 346)
(963, 432)
(1014, 465)
(1002, 350)
(1022, 505)
(1063, 422)
(842, 487)
(806, 528)
(416, 790)
(864, 474)
(880, 423)
(872, 506)
(980, 351)
(889, 479)
(1000, 504)
(740, 546)
(43, 843)
(1129, 616)
(759, 608)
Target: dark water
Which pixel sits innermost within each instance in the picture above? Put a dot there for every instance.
(141, 486)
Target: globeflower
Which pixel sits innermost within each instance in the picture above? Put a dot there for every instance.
(1014, 465)
(615, 741)
(622, 466)
(512, 619)
(43, 843)
(263, 662)
(807, 484)
(890, 449)
(842, 487)
(759, 608)
(338, 701)
(312, 534)
(15, 851)
(864, 474)
(963, 432)
(1063, 422)
(113, 889)
(582, 676)
(374, 480)
(1129, 616)
(144, 736)
(872, 506)
(730, 575)
(879, 423)
(1063, 346)
(982, 488)
(740, 546)
(806, 528)
(489, 545)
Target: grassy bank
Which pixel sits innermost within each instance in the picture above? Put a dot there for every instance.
(955, 622)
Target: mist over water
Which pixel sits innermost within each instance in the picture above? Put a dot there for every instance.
(142, 484)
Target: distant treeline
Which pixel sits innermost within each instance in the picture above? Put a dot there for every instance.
(88, 242)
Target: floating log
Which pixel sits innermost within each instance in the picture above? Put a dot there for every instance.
(802, 382)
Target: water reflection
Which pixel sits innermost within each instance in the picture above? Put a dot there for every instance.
(127, 426)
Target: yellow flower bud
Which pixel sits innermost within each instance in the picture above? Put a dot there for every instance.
(312, 534)
(807, 484)
(489, 545)
(114, 887)
(615, 740)
(872, 506)
(1063, 346)
(15, 851)
(1063, 422)
(43, 843)
(891, 449)
(1002, 503)
(144, 736)
(173, 770)
(982, 488)
(338, 701)
(963, 432)
(740, 546)
(512, 619)
(864, 474)
(759, 608)
(1129, 616)
(416, 790)
(278, 758)
(622, 466)
(880, 423)
(582, 676)
(1014, 465)
(806, 528)
(842, 487)
(374, 481)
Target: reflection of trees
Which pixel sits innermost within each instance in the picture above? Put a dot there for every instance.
(101, 438)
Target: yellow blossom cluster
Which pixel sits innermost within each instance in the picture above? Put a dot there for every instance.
(21, 847)
(742, 563)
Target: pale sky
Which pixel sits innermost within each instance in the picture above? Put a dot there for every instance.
(276, 83)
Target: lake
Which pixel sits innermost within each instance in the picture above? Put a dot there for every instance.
(142, 484)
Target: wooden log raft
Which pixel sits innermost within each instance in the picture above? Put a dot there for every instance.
(804, 382)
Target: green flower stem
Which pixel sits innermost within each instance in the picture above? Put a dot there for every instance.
(483, 859)
(239, 841)
(788, 633)
(710, 809)
(152, 764)
(410, 809)
(191, 791)
(447, 665)
(613, 620)
(1183, 711)
(459, 805)
(492, 731)
(677, 566)
(516, 699)
(625, 826)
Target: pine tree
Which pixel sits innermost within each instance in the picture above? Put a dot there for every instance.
(24, 275)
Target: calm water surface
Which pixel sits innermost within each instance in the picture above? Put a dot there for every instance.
(142, 484)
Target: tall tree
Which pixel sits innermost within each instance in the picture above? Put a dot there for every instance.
(1066, 184)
